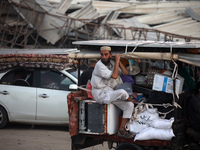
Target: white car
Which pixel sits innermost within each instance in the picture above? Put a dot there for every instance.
(36, 95)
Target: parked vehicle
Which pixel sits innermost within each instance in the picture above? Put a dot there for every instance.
(36, 95)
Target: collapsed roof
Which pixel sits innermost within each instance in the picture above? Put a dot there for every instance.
(42, 23)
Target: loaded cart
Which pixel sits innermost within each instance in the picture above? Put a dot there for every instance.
(163, 88)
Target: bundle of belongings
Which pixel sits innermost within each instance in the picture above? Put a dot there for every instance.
(59, 62)
(147, 125)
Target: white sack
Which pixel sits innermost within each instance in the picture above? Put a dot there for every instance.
(153, 133)
(148, 115)
(143, 121)
(162, 123)
(136, 127)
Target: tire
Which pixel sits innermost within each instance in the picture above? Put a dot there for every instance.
(3, 117)
(128, 146)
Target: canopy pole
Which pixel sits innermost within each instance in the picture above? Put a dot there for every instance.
(79, 72)
(130, 55)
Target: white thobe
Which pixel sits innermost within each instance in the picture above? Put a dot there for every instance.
(103, 85)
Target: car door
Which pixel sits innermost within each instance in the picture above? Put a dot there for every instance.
(52, 96)
(18, 94)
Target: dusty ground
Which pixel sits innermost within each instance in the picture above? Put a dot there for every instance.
(24, 137)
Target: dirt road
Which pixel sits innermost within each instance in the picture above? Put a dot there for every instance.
(24, 137)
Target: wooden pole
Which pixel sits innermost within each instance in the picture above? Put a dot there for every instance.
(130, 55)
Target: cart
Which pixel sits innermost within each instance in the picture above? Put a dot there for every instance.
(92, 123)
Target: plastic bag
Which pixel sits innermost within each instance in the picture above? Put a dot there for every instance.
(143, 120)
(126, 86)
(89, 92)
(153, 133)
(162, 123)
(127, 78)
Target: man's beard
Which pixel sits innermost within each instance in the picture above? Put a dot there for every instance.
(106, 62)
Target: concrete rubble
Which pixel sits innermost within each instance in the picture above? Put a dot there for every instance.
(55, 23)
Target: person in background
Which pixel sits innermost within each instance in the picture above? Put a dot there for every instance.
(105, 77)
(184, 71)
(160, 64)
(87, 74)
(194, 109)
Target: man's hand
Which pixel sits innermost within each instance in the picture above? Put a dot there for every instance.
(117, 57)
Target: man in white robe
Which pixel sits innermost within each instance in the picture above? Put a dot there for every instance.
(105, 78)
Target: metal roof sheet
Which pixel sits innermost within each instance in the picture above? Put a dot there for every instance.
(130, 43)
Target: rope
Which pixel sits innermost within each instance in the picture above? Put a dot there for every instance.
(141, 107)
(165, 114)
(174, 76)
(126, 49)
(129, 59)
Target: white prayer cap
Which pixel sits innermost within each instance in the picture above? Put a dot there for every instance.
(106, 48)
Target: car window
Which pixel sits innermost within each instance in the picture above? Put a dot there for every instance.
(7, 78)
(19, 77)
(54, 80)
(73, 72)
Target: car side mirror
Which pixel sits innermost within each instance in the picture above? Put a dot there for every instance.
(73, 87)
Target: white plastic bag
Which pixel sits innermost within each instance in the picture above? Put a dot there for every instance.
(137, 125)
(148, 115)
(153, 133)
(162, 123)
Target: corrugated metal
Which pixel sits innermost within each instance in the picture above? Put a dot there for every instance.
(110, 16)
(125, 43)
(13, 20)
(162, 17)
(42, 16)
(53, 24)
(64, 5)
(132, 22)
(87, 12)
(187, 27)
(193, 14)
(105, 7)
(151, 7)
(98, 7)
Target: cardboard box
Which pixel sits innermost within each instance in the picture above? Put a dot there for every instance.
(164, 83)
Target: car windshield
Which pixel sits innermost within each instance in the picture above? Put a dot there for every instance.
(73, 72)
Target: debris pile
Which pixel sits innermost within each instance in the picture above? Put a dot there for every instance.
(56, 23)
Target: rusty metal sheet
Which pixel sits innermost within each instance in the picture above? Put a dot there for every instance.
(73, 108)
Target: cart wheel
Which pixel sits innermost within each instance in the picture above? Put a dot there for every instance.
(128, 146)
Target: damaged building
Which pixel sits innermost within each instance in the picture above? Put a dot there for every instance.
(57, 23)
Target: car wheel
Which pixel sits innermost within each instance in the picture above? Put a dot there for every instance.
(3, 117)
